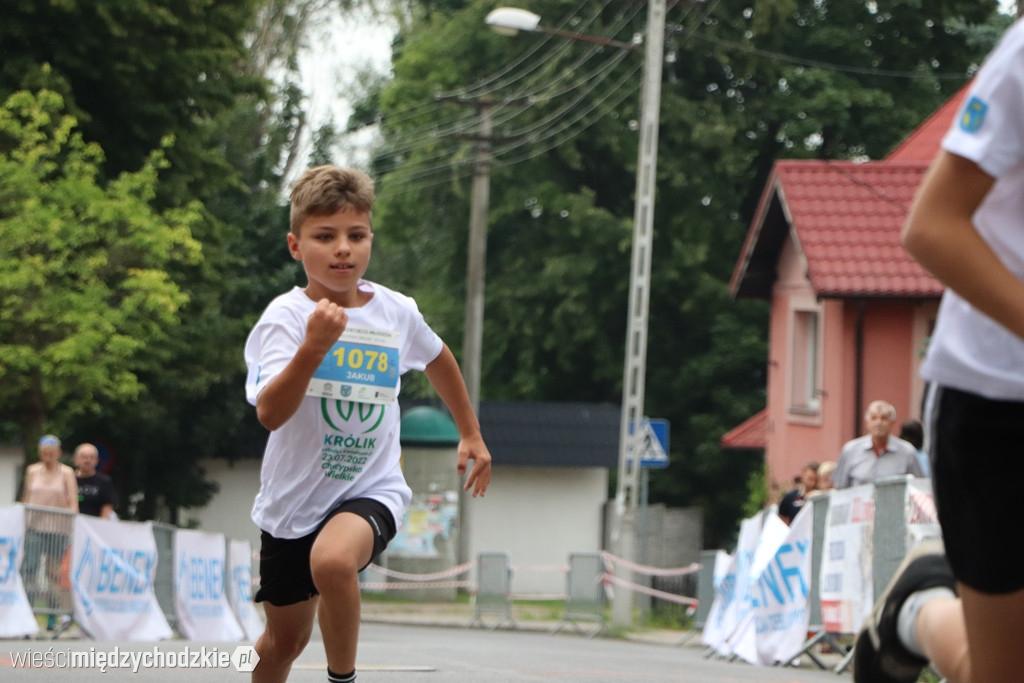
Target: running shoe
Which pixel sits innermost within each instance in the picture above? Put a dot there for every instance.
(879, 656)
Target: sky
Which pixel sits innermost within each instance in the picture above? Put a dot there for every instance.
(339, 49)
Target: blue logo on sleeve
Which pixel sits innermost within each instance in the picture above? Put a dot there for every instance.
(973, 115)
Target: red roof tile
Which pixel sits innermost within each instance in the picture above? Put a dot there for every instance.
(847, 219)
(751, 433)
(923, 144)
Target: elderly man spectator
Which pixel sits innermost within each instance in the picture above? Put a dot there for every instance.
(878, 453)
(96, 493)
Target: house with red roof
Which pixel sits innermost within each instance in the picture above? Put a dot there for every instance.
(851, 312)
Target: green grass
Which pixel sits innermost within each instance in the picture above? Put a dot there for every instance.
(669, 620)
(396, 598)
(539, 610)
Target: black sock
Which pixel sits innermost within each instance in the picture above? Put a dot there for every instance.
(332, 677)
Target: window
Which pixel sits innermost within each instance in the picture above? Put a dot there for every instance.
(804, 380)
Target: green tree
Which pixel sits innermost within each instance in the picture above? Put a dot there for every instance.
(195, 407)
(147, 69)
(135, 71)
(87, 302)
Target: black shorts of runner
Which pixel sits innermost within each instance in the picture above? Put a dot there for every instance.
(977, 470)
(285, 575)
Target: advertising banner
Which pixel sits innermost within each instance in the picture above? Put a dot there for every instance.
(240, 588)
(922, 517)
(776, 625)
(430, 523)
(731, 592)
(199, 596)
(113, 565)
(846, 579)
(16, 618)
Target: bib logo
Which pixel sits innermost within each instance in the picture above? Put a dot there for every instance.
(344, 453)
(351, 417)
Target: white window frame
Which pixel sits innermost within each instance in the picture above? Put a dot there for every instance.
(805, 361)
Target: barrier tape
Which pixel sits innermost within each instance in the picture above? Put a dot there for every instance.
(648, 570)
(672, 597)
(384, 585)
(454, 571)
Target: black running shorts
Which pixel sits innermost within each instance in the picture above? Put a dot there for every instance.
(285, 575)
(977, 469)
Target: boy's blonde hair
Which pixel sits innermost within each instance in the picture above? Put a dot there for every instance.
(324, 190)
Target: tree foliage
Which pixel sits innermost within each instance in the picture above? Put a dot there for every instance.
(87, 300)
(146, 70)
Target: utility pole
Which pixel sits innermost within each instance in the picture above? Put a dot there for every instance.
(476, 260)
(476, 273)
(635, 365)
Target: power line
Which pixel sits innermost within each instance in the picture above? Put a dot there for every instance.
(555, 126)
(816, 64)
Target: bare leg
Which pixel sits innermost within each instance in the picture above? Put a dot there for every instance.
(343, 546)
(285, 637)
(942, 633)
(976, 638)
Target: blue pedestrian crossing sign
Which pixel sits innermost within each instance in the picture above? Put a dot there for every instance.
(654, 443)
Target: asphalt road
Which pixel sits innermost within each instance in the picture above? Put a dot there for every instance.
(391, 653)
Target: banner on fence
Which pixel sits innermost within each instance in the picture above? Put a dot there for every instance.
(921, 515)
(733, 589)
(113, 565)
(199, 597)
(16, 618)
(240, 588)
(430, 523)
(846, 579)
(776, 626)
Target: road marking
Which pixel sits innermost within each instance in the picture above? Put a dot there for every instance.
(371, 667)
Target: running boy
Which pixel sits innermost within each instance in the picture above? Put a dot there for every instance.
(324, 368)
(963, 609)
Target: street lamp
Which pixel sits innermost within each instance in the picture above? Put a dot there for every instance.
(509, 21)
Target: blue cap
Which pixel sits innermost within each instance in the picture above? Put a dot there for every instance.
(49, 440)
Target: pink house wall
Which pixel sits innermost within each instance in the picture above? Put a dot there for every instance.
(793, 440)
(888, 347)
(894, 333)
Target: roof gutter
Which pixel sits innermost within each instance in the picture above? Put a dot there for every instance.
(858, 369)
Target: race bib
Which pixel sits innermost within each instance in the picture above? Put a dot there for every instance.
(362, 366)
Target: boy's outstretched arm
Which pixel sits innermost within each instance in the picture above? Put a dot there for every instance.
(940, 234)
(443, 372)
(283, 395)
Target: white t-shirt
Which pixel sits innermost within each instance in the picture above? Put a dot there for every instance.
(331, 450)
(970, 351)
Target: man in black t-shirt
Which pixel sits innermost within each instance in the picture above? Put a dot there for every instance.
(96, 494)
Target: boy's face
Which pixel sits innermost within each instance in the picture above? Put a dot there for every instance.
(335, 252)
